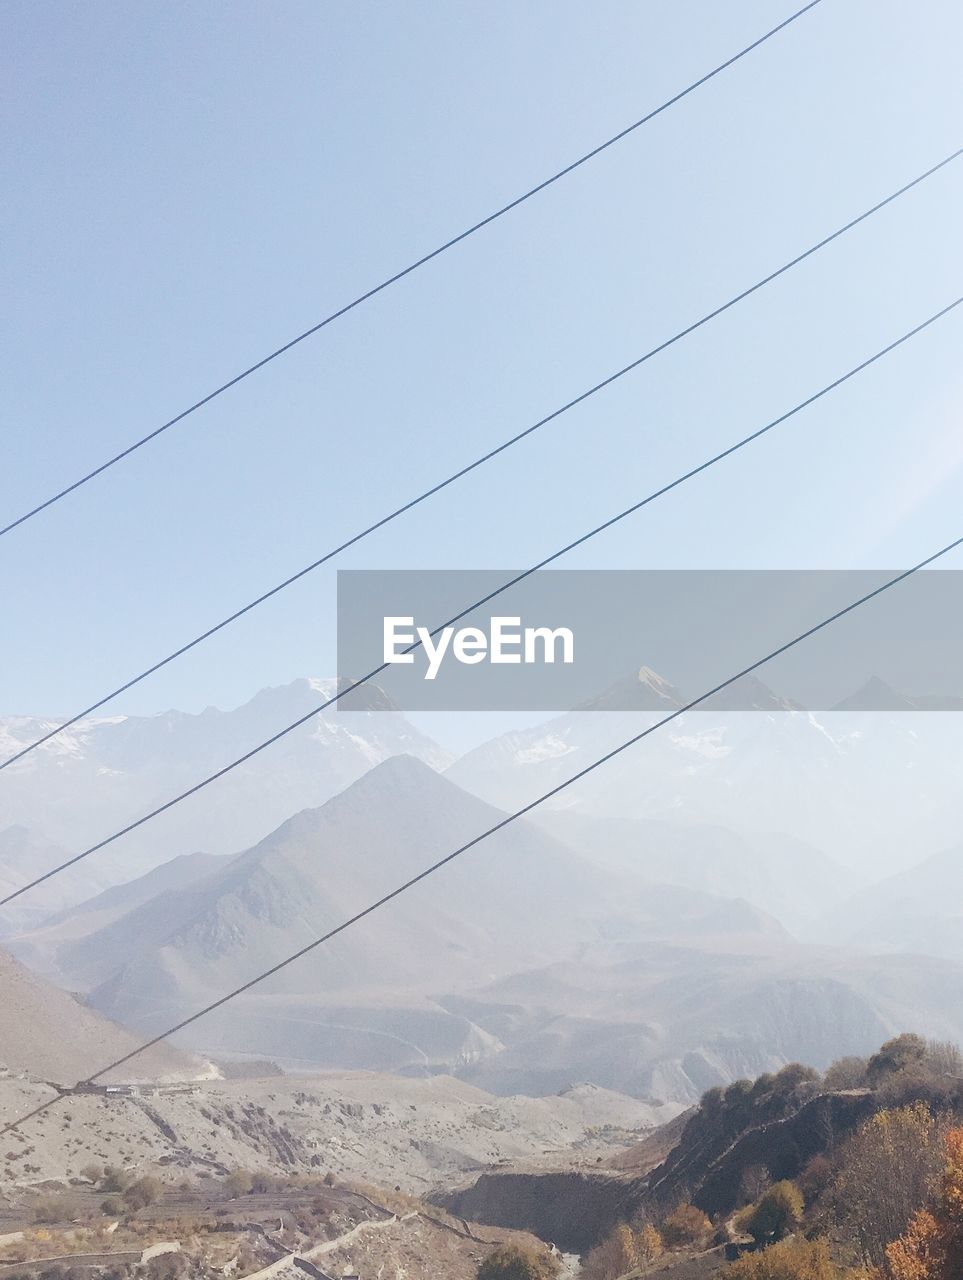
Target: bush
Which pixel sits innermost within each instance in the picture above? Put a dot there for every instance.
(894, 1056)
(508, 1262)
(685, 1225)
(115, 1179)
(790, 1260)
(815, 1177)
(113, 1207)
(51, 1209)
(239, 1183)
(143, 1192)
(775, 1213)
(846, 1073)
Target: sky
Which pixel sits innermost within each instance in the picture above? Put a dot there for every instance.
(191, 185)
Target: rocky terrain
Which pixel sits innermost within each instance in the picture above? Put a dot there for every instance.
(416, 1134)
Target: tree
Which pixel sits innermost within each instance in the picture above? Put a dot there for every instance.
(789, 1260)
(649, 1247)
(943, 1057)
(754, 1181)
(685, 1225)
(795, 1076)
(846, 1073)
(776, 1213)
(887, 1169)
(816, 1176)
(894, 1056)
(617, 1254)
(508, 1262)
(931, 1248)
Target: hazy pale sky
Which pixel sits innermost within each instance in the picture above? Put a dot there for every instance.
(190, 185)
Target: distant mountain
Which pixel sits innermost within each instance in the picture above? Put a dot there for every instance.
(482, 915)
(46, 1034)
(521, 966)
(919, 910)
(869, 790)
(103, 773)
(25, 854)
(78, 947)
(876, 695)
(643, 690)
(667, 1022)
(793, 881)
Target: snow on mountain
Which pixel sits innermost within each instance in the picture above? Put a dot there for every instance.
(875, 791)
(105, 772)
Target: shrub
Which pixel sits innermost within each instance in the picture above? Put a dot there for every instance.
(239, 1182)
(115, 1179)
(51, 1209)
(846, 1073)
(790, 1260)
(896, 1055)
(775, 1213)
(508, 1262)
(685, 1225)
(112, 1206)
(143, 1192)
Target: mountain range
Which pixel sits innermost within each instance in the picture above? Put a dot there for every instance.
(103, 773)
(711, 903)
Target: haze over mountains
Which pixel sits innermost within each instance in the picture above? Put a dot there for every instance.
(697, 910)
(872, 790)
(103, 773)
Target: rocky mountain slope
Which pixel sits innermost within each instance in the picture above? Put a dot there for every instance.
(522, 966)
(46, 1034)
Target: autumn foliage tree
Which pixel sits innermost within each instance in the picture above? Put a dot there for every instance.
(685, 1225)
(931, 1248)
(789, 1260)
(649, 1246)
(887, 1169)
(617, 1254)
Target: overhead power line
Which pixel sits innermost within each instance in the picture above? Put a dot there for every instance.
(497, 826)
(479, 461)
(585, 537)
(408, 270)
